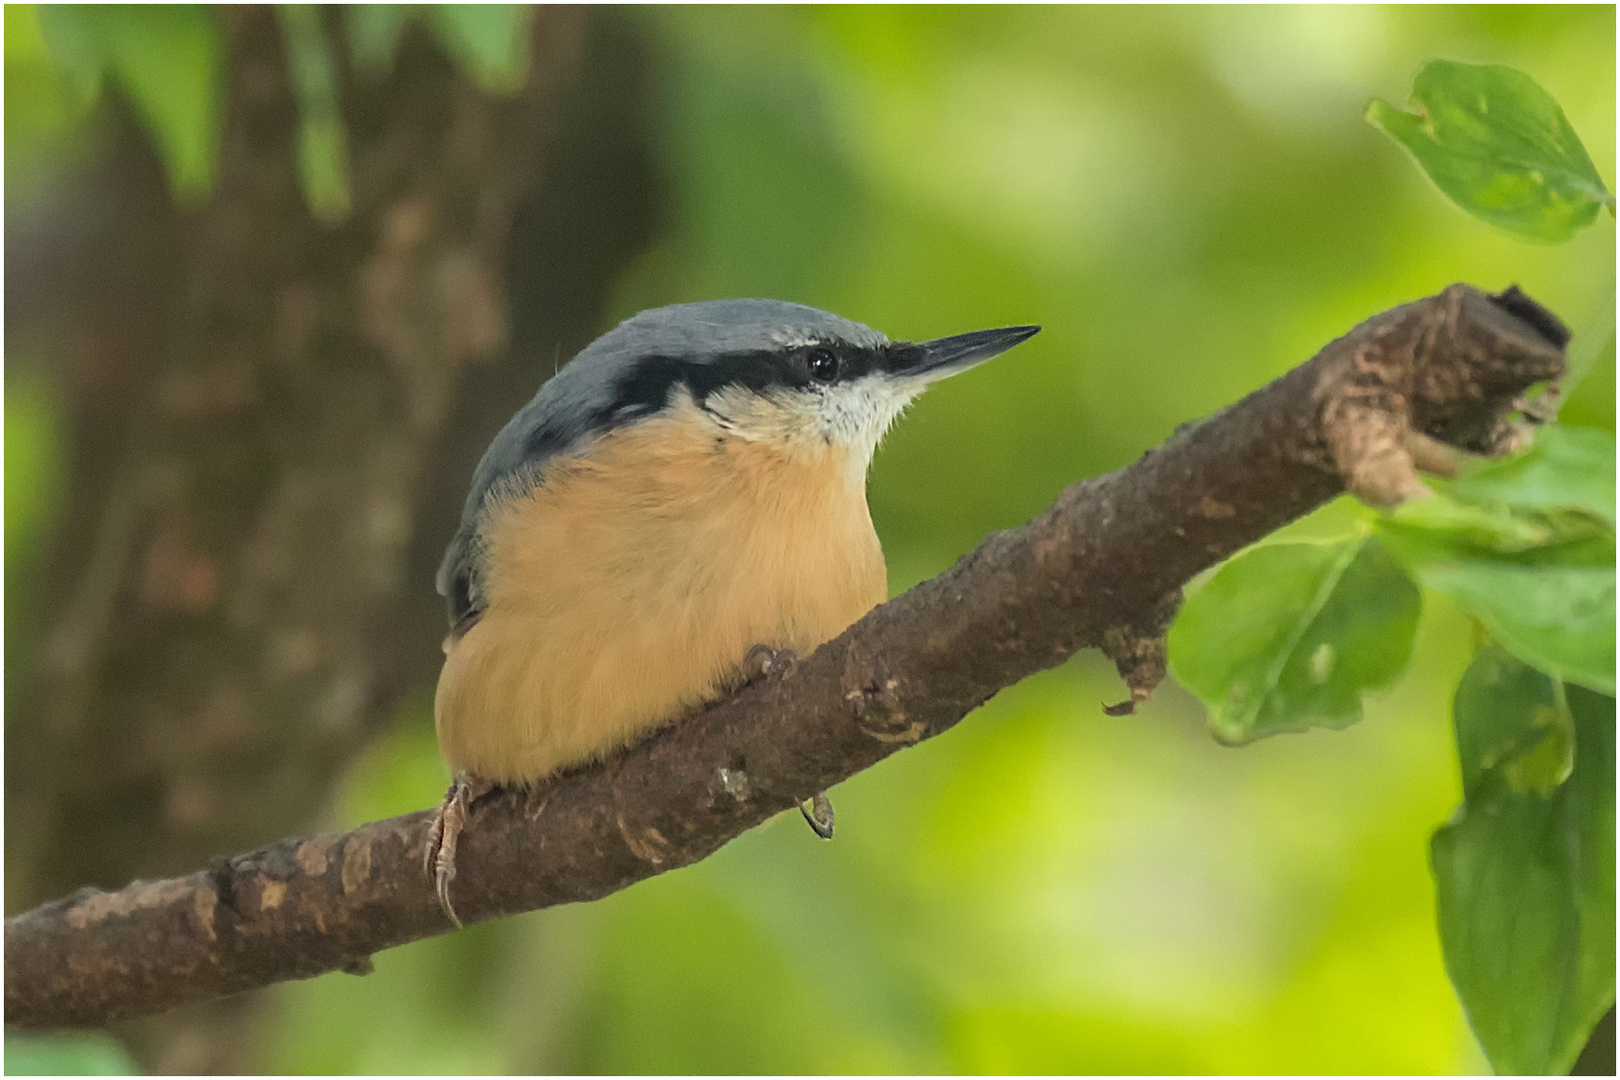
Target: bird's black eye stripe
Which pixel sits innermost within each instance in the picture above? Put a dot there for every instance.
(823, 364)
(644, 388)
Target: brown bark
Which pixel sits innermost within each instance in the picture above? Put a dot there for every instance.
(1101, 567)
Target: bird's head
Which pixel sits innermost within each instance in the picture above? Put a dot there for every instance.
(766, 371)
(772, 371)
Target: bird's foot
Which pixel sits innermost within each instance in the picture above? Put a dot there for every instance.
(818, 814)
(763, 661)
(439, 855)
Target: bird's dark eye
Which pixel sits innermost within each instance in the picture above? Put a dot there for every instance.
(823, 365)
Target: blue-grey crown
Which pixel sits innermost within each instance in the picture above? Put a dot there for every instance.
(717, 327)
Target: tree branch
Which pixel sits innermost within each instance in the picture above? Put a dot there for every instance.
(1103, 566)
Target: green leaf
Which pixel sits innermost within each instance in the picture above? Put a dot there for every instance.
(1525, 881)
(1499, 146)
(1592, 792)
(1512, 726)
(1558, 618)
(1288, 636)
(489, 41)
(1566, 467)
(1551, 603)
(1531, 553)
(323, 144)
(86, 1054)
(1557, 536)
(169, 61)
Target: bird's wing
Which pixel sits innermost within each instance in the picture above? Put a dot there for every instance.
(539, 432)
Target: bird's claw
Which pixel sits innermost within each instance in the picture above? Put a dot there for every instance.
(439, 854)
(763, 661)
(818, 814)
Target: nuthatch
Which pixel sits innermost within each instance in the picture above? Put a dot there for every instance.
(682, 502)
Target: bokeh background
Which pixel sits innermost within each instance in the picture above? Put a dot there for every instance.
(1189, 201)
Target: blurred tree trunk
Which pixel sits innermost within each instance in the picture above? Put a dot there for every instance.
(271, 426)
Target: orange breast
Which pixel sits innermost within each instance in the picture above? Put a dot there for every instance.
(627, 587)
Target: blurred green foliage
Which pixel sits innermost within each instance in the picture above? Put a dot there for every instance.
(1190, 203)
(323, 144)
(489, 41)
(34, 461)
(87, 1054)
(43, 112)
(168, 59)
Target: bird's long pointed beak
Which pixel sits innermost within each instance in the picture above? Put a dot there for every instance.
(930, 361)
